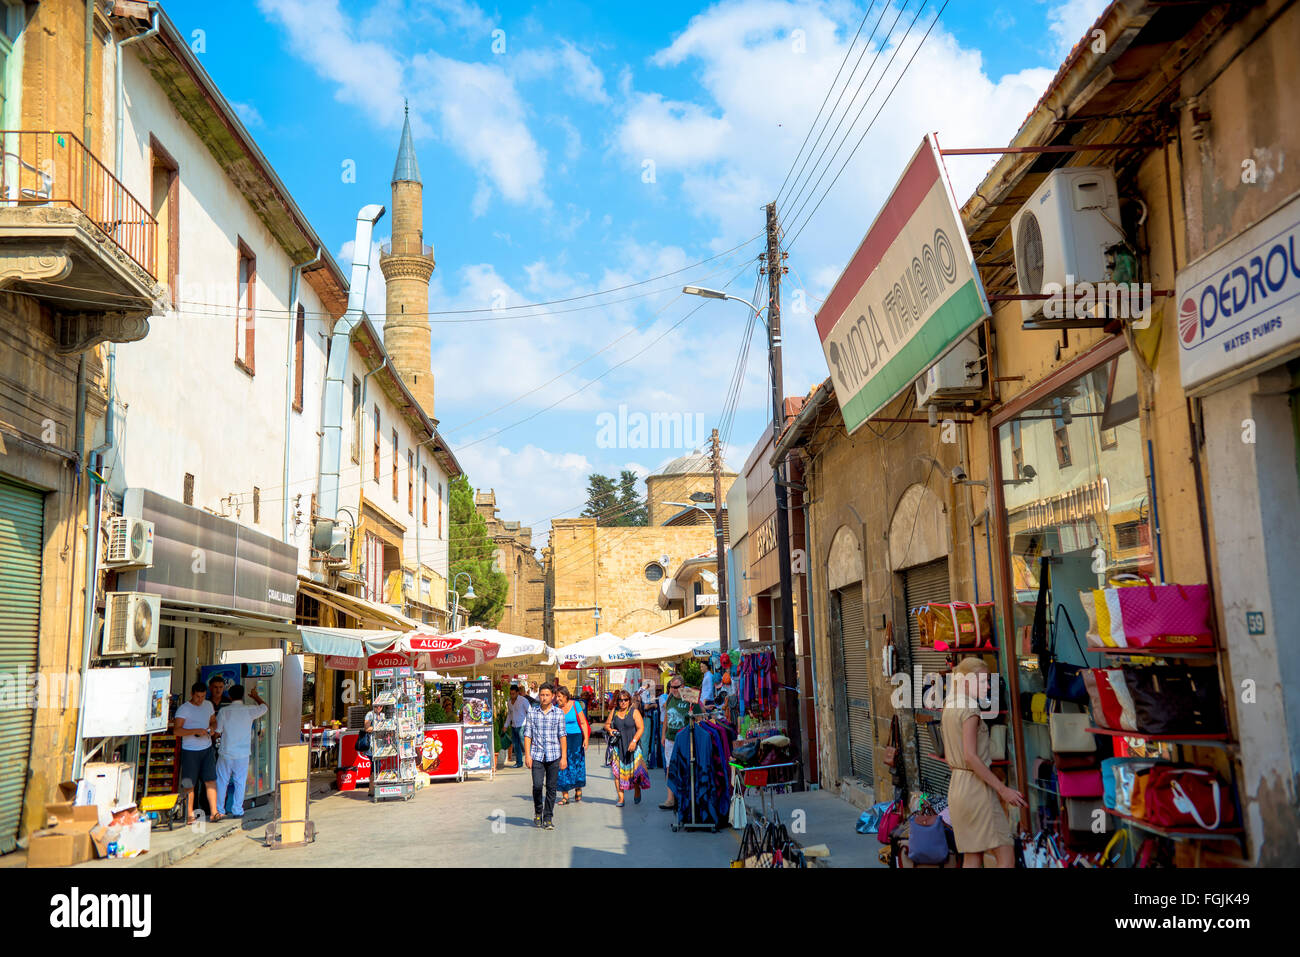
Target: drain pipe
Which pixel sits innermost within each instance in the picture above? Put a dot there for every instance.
(295, 273)
(812, 627)
(326, 534)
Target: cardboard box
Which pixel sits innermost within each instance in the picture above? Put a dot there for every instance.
(68, 840)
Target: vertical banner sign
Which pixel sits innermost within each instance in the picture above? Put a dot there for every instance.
(476, 716)
(908, 295)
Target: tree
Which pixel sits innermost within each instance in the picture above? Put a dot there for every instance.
(615, 503)
(472, 551)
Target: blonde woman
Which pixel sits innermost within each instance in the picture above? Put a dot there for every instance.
(975, 794)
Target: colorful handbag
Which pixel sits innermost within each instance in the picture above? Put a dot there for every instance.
(892, 817)
(1179, 797)
(1038, 708)
(1164, 615)
(1101, 632)
(1173, 699)
(1117, 778)
(889, 753)
(1112, 705)
(1079, 784)
(957, 624)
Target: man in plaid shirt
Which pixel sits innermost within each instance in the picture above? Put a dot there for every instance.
(545, 752)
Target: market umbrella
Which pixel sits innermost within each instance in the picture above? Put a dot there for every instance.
(654, 647)
(492, 650)
(585, 653)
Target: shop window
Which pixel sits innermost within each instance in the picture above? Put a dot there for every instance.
(1088, 510)
(187, 496)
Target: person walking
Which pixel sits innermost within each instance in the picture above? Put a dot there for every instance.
(578, 732)
(629, 767)
(517, 709)
(235, 732)
(545, 753)
(676, 712)
(194, 723)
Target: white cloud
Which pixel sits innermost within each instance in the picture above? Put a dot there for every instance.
(1068, 21)
(532, 484)
(249, 114)
(673, 134)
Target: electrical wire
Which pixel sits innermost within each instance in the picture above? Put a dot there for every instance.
(810, 215)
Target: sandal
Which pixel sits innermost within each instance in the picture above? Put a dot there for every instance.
(563, 800)
(577, 796)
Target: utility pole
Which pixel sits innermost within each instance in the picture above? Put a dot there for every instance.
(790, 673)
(716, 461)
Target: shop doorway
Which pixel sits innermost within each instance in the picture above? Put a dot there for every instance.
(22, 520)
(855, 659)
(923, 584)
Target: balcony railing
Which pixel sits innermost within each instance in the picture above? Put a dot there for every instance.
(407, 248)
(55, 169)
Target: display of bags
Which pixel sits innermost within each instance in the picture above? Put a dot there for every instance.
(1182, 797)
(889, 753)
(1142, 614)
(1112, 705)
(1174, 699)
(1069, 733)
(1083, 783)
(892, 817)
(1065, 681)
(957, 624)
(1117, 778)
(997, 742)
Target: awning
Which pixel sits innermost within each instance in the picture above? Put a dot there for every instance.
(223, 621)
(486, 649)
(701, 627)
(345, 642)
(573, 656)
(371, 613)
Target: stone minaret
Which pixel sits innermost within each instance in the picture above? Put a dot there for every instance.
(407, 265)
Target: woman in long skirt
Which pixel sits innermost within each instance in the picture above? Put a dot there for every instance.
(574, 777)
(629, 767)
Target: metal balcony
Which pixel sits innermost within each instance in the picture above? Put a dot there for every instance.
(72, 236)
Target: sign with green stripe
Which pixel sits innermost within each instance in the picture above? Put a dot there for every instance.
(908, 295)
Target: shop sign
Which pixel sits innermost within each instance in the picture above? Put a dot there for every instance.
(765, 538)
(205, 559)
(702, 600)
(1241, 302)
(1076, 504)
(908, 295)
(477, 718)
(432, 643)
(387, 659)
(340, 663)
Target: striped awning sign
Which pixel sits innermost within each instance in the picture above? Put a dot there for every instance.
(909, 294)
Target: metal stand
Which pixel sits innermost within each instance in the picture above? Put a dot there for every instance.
(694, 824)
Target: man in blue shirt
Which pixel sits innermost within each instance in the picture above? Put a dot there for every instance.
(545, 753)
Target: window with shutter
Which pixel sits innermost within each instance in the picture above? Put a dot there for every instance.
(394, 465)
(244, 326)
(424, 495)
(356, 418)
(376, 443)
(22, 518)
(857, 677)
(410, 482)
(299, 333)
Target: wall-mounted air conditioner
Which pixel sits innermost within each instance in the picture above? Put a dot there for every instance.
(130, 624)
(1062, 232)
(955, 378)
(130, 543)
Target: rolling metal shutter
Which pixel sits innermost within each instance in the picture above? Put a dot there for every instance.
(22, 512)
(857, 683)
(921, 585)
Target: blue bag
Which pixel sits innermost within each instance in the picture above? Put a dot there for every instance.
(869, 822)
(927, 843)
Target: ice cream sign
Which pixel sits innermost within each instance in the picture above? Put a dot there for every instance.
(1241, 301)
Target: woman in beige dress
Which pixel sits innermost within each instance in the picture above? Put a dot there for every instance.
(974, 794)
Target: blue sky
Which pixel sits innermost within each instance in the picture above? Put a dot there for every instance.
(588, 146)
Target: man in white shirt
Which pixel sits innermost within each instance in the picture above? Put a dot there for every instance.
(516, 718)
(706, 686)
(193, 724)
(235, 729)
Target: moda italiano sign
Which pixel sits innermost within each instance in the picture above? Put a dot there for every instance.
(908, 295)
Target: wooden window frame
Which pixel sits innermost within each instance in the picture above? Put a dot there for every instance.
(160, 157)
(187, 489)
(410, 482)
(424, 500)
(299, 355)
(396, 447)
(358, 415)
(246, 311)
(378, 431)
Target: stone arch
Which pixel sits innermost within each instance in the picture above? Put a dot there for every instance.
(844, 564)
(918, 531)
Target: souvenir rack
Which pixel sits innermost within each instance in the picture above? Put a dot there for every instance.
(398, 704)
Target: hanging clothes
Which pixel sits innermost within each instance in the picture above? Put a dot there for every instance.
(701, 754)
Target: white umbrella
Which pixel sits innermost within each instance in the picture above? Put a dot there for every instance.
(495, 650)
(586, 653)
(646, 647)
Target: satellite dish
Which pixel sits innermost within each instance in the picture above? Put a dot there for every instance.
(710, 577)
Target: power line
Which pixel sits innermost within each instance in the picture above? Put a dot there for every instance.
(794, 217)
(813, 125)
(809, 217)
(867, 46)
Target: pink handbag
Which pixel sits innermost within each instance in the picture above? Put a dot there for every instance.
(1158, 615)
(1084, 783)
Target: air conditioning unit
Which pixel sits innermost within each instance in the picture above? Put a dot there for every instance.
(130, 624)
(952, 380)
(130, 543)
(1063, 230)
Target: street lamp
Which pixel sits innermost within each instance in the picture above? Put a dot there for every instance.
(455, 595)
(719, 294)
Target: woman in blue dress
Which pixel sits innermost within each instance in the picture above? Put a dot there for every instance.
(574, 777)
